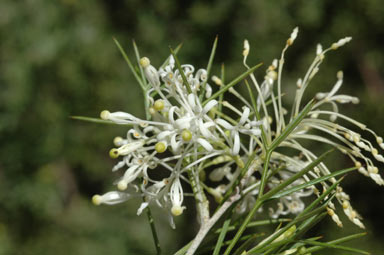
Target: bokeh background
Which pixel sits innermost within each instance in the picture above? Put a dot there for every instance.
(57, 59)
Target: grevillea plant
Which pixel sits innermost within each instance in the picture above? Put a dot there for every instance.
(245, 165)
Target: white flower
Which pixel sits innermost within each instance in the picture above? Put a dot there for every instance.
(293, 36)
(111, 198)
(242, 127)
(334, 217)
(150, 72)
(341, 42)
(177, 197)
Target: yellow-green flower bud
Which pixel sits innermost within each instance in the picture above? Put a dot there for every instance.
(114, 153)
(177, 210)
(117, 141)
(122, 185)
(186, 135)
(105, 115)
(158, 105)
(152, 111)
(160, 147)
(96, 199)
(144, 62)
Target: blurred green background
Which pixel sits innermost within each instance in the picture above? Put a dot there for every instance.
(57, 59)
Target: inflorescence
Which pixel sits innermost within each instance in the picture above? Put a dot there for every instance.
(199, 139)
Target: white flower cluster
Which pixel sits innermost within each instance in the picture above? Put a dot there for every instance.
(193, 133)
(182, 135)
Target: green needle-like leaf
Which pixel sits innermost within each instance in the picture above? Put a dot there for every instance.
(232, 83)
(255, 110)
(308, 224)
(96, 120)
(321, 197)
(130, 64)
(257, 223)
(246, 244)
(178, 65)
(296, 176)
(292, 125)
(313, 182)
(337, 241)
(242, 173)
(145, 84)
(334, 246)
(220, 240)
(183, 250)
(305, 214)
(137, 54)
(176, 51)
(222, 77)
(209, 66)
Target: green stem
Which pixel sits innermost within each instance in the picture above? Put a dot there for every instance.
(153, 229)
(264, 178)
(243, 227)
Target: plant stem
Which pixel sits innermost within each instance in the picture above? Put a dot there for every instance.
(153, 229)
(243, 227)
(204, 229)
(201, 200)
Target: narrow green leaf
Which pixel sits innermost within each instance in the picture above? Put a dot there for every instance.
(304, 227)
(258, 223)
(296, 244)
(137, 54)
(209, 66)
(270, 243)
(243, 227)
(337, 241)
(257, 114)
(222, 78)
(309, 223)
(321, 197)
(178, 65)
(296, 176)
(305, 214)
(271, 246)
(183, 250)
(129, 64)
(244, 238)
(167, 60)
(237, 181)
(264, 176)
(232, 83)
(246, 244)
(220, 240)
(313, 182)
(95, 120)
(334, 246)
(317, 211)
(146, 85)
(292, 125)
